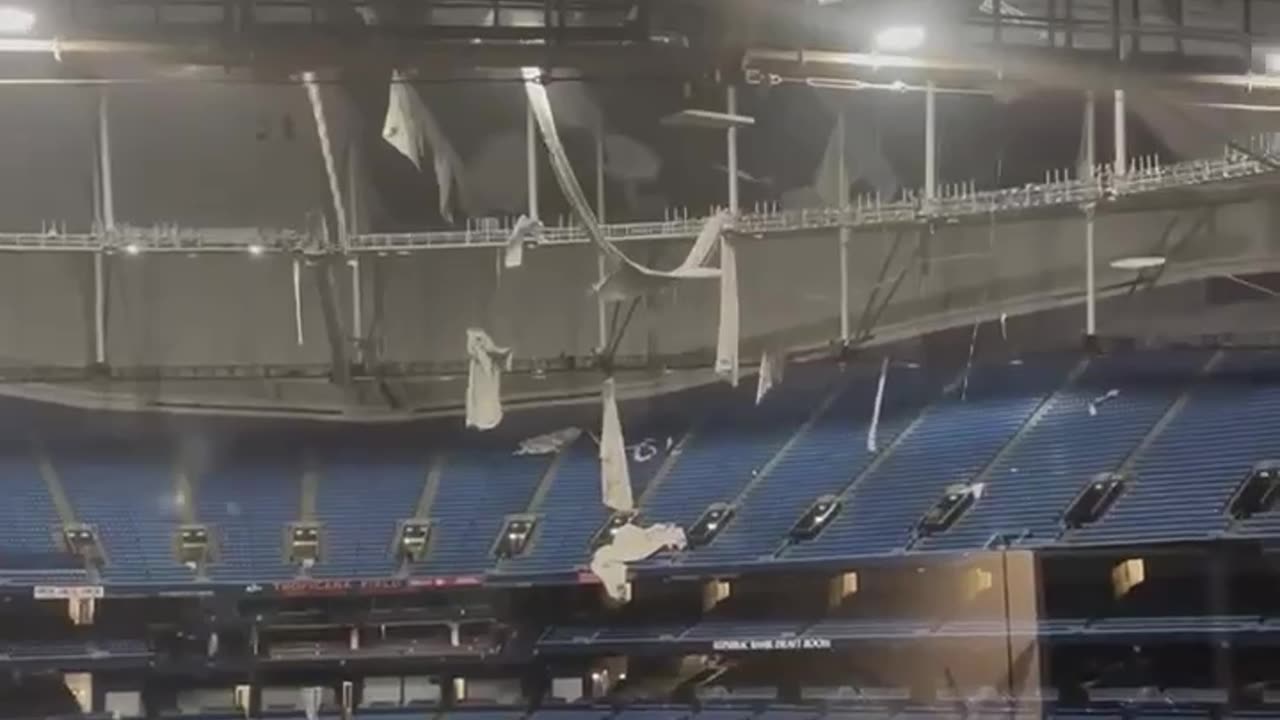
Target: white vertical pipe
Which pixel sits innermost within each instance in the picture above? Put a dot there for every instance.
(1090, 135)
(104, 162)
(357, 308)
(531, 161)
(1090, 279)
(731, 98)
(106, 207)
(99, 309)
(1090, 271)
(842, 193)
(930, 143)
(602, 322)
(1122, 149)
(326, 152)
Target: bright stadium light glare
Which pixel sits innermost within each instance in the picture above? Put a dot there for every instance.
(16, 20)
(132, 249)
(256, 250)
(900, 38)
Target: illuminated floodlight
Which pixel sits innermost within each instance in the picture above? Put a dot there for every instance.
(256, 250)
(1138, 262)
(132, 249)
(900, 38)
(16, 20)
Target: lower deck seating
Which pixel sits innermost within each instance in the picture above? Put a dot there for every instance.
(29, 525)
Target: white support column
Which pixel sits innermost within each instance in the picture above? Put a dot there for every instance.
(99, 309)
(104, 162)
(531, 161)
(105, 205)
(1090, 131)
(602, 321)
(930, 143)
(731, 98)
(1090, 271)
(1090, 278)
(842, 190)
(1122, 148)
(357, 308)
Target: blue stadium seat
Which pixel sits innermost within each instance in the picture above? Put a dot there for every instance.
(1028, 490)
(952, 442)
(822, 461)
(126, 491)
(29, 522)
(249, 502)
(1183, 481)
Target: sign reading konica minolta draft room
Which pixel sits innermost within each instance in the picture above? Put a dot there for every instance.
(772, 644)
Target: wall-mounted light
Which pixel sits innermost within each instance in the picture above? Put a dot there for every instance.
(900, 38)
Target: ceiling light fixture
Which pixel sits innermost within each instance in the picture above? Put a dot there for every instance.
(16, 20)
(1138, 262)
(900, 38)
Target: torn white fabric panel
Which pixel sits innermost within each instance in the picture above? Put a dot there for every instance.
(525, 230)
(615, 475)
(873, 430)
(628, 278)
(297, 301)
(727, 339)
(773, 366)
(484, 379)
(549, 443)
(413, 130)
(632, 543)
(1108, 396)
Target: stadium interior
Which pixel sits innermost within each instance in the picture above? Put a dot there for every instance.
(640, 359)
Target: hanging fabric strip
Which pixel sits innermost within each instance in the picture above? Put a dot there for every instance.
(633, 279)
(727, 339)
(297, 300)
(326, 151)
(968, 366)
(484, 379)
(773, 365)
(413, 130)
(873, 430)
(525, 229)
(615, 475)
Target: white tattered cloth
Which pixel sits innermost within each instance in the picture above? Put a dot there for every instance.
(773, 367)
(632, 543)
(484, 379)
(412, 129)
(628, 279)
(615, 475)
(526, 229)
(873, 429)
(549, 443)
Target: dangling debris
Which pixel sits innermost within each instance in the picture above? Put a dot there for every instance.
(644, 451)
(873, 430)
(773, 366)
(1110, 395)
(484, 379)
(632, 543)
(615, 476)
(526, 228)
(727, 338)
(412, 129)
(550, 443)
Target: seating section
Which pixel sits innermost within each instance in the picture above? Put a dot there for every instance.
(136, 529)
(822, 461)
(733, 443)
(28, 520)
(953, 441)
(480, 485)
(1183, 481)
(249, 503)
(1187, 435)
(1083, 431)
(362, 495)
